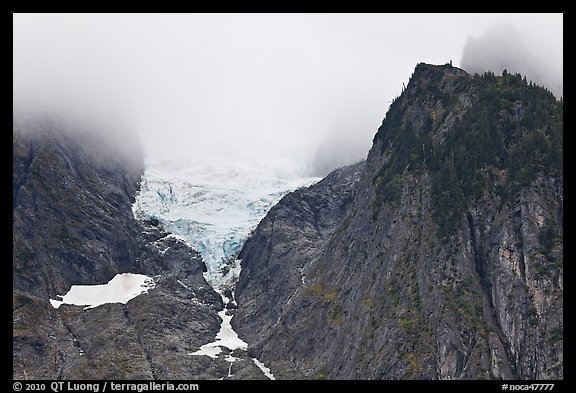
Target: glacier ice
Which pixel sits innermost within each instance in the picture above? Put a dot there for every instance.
(214, 207)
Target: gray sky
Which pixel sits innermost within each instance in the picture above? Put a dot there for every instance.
(265, 85)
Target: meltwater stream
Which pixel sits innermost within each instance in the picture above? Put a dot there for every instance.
(213, 207)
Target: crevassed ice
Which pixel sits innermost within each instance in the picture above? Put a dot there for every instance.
(122, 288)
(213, 207)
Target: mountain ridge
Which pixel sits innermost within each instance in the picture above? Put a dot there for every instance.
(73, 225)
(439, 257)
(447, 263)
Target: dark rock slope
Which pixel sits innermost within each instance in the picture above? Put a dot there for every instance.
(439, 258)
(73, 224)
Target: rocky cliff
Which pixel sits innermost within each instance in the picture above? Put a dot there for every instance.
(439, 258)
(73, 225)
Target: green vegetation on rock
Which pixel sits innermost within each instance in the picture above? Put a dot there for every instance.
(505, 132)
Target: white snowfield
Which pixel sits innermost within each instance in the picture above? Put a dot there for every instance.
(226, 337)
(122, 288)
(214, 207)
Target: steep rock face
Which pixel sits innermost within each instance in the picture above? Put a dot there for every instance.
(279, 261)
(446, 260)
(62, 181)
(73, 225)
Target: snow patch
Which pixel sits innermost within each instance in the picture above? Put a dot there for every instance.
(122, 288)
(185, 286)
(226, 337)
(264, 369)
(208, 350)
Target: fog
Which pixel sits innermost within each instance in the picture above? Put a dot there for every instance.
(308, 89)
(503, 47)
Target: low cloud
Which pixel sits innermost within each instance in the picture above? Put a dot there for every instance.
(503, 46)
(307, 91)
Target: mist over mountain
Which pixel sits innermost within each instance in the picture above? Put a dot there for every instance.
(184, 164)
(503, 47)
(306, 88)
(440, 257)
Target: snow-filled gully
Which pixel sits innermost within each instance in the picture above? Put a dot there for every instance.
(228, 338)
(213, 208)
